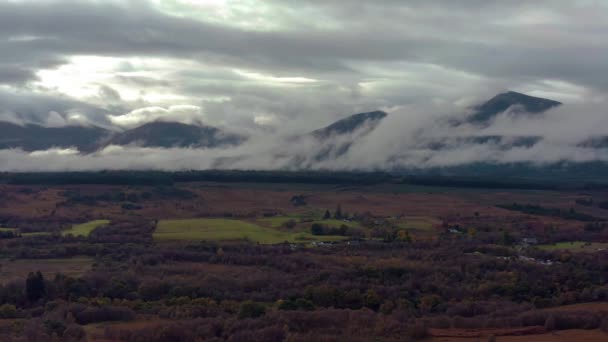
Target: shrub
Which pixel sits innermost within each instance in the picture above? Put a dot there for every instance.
(8, 311)
(290, 224)
(250, 309)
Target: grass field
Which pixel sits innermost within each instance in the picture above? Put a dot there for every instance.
(216, 229)
(417, 222)
(276, 221)
(575, 246)
(279, 221)
(338, 223)
(85, 229)
(35, 234)
(16, 231)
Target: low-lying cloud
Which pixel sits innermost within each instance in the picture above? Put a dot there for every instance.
(406, 139)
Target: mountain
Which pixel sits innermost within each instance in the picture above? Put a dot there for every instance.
(595, 142)
(34, 137)
(351, 124)
(502, 142)
(521, 103)
(90, 139)
(344, 133)
(174, 134)
(483, 114)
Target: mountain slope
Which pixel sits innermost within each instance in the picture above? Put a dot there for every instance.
(351, 124)
(174, 134)
(485, 112)
(34, 137)
(336, 139)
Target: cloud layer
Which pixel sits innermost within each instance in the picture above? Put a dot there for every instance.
(290, 67)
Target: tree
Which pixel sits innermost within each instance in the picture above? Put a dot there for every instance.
(404, 235)
(507, 239)
(317, 229)
(250, 309)
(327, 215)
(472, 233)
(338, 214)
(304, 304)
(35, 287)
(290, 224)
(372, 300)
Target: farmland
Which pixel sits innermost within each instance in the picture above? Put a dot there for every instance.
(210, 258)
(85, 229)
(576, 246)
(229, 230)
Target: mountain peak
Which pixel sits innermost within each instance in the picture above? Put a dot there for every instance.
(501, 102)
(350, 124)
(175, 134)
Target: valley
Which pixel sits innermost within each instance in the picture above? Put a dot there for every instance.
(287, 259)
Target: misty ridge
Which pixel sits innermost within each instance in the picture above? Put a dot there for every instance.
(508, 128)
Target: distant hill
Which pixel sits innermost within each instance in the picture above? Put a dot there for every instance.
(503, 142)
(34, 137)
(174, 134)
(485, 112)
(336, 139)
(90, 139)
(351, 124)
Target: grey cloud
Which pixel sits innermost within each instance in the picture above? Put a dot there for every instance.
(15, 75)
(32, 107)
(476, 43)
(400, 141)
(108, 93)
(423, 60)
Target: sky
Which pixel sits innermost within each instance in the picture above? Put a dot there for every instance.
(294, 66)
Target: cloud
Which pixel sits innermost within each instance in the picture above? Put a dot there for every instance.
(15, 75)
(404, 139)
(180, 113)
(27, 106)
(291, 67)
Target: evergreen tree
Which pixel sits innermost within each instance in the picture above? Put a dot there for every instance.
(35, 286)
(338, 214)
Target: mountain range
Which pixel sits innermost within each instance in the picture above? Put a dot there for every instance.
(31, 137)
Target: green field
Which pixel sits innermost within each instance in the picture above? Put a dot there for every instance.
(279, 221)
(276, 221)
(17, 231)
(85, 229)
(575, 246)
(416, 222)
(35, 234)
(337, 223)
(216, 229)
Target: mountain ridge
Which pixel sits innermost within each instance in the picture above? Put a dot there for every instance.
(164, 134)
(485, 112)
